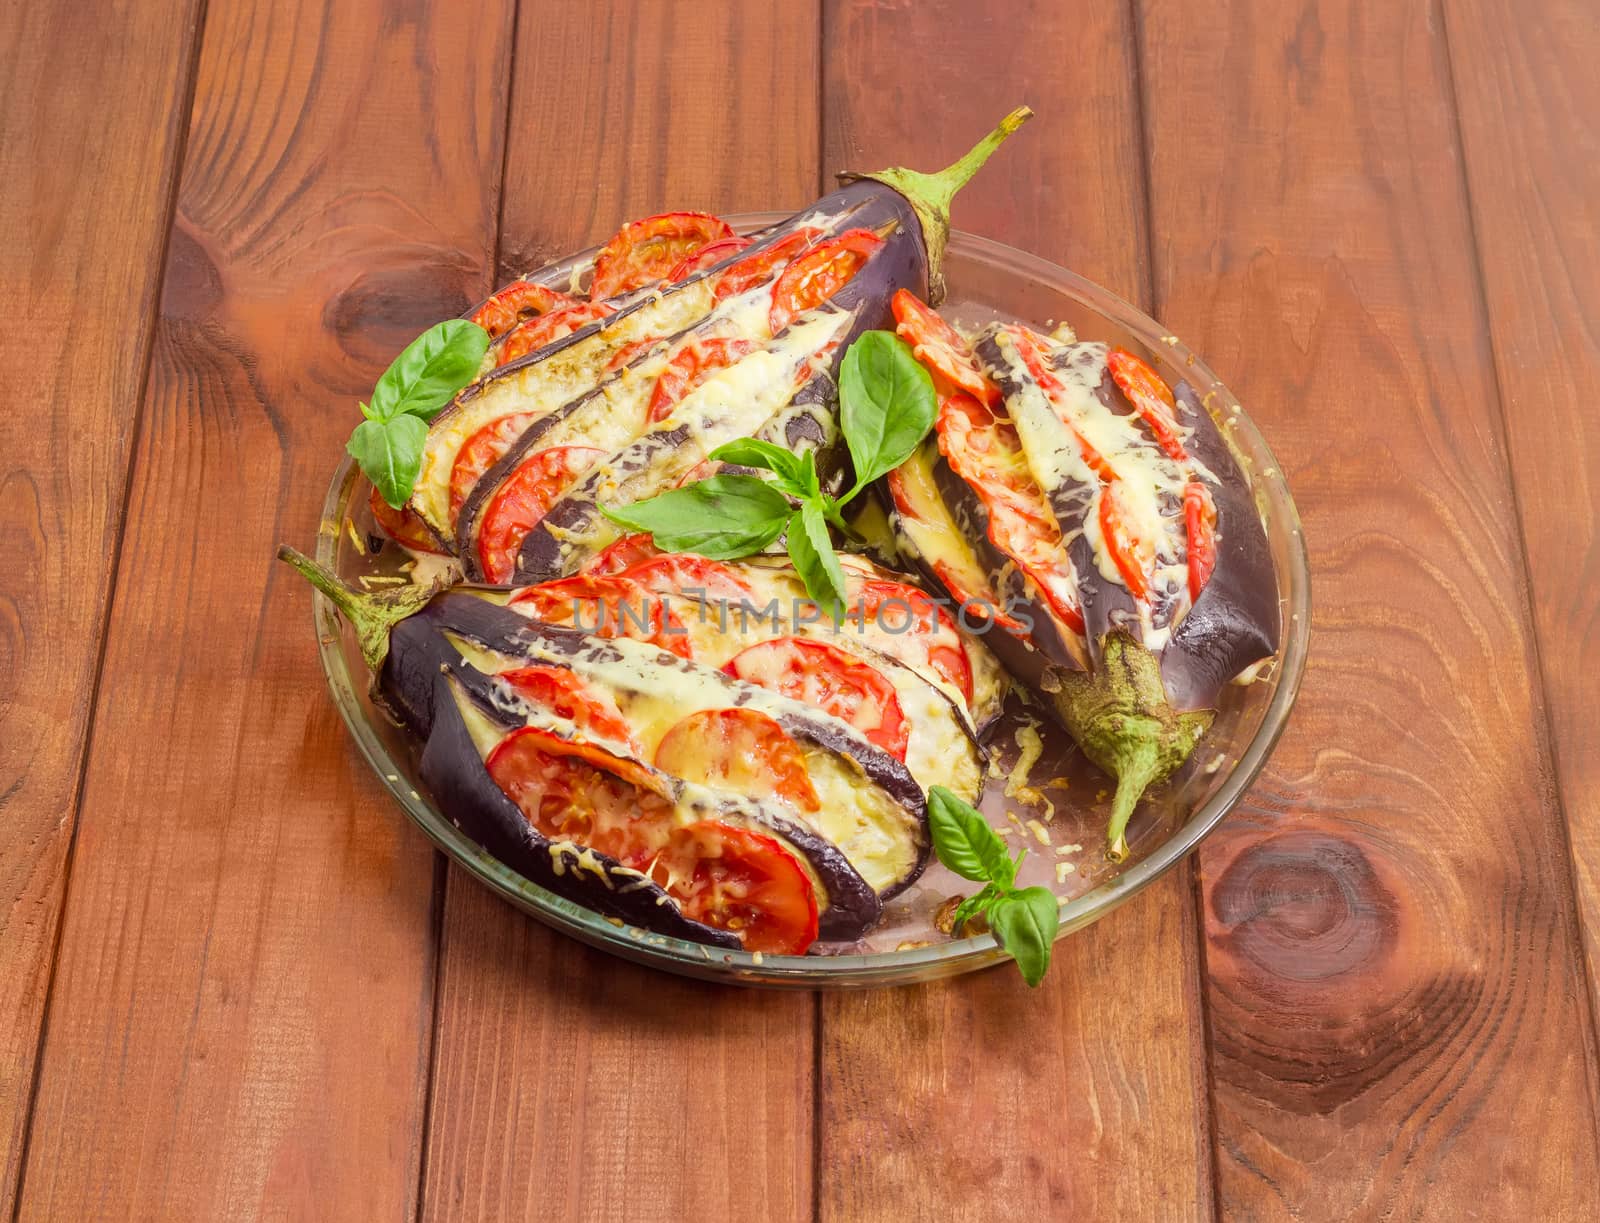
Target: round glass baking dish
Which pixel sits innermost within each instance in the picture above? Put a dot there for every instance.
(986, 280)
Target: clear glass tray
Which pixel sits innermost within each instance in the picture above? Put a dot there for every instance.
(1060, 820)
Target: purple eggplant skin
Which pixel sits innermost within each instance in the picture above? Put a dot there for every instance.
(1236, 621)
(452, 769)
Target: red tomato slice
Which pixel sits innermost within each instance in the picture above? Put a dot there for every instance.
(403, 525)
(671, 573)
(707, 257)
(607, 606)
(764, 264)
(547, 329)
(483, 450)
(927, 625)
(568, 695)
(742, 881)
(984, 450)
(837, 683)
(693, 362)
(814, 277)
(521, 299)
(1151, 399)
(740, 750)
(1133, 556)
(937, 345)
(644, 252)
(1200, 530)
(722, 876)
(525, 498)
(627, 551)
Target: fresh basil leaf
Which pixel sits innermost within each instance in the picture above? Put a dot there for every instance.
(811, 550)
(753, 452)
(964, 841)
(390, 454)
(1024, 923)
(724, 517)
(886, 405)
(808, 476)
(427, 375)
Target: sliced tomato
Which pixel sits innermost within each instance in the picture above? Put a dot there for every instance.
(722, 876)
(1200, 530)
(1151, 398)
(1134, 557)
(482, 451)
(742, 750)
(526, 496)
(403, 525)
(840, 684)
(519, 300)
(644, 252)
(741, 881)
(812, 278)
(938, 346)
(764, 264)
(707, 257)
(682, 572)
(627, 551)
(565, 693)
(882, 605)
(535, 333)
(984, 450)
(694, 361)
(607, 606)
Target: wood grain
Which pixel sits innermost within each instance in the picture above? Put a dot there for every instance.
(79, 283)
(1529, 104)
(1396, 992)
(964, 1099)
(567, 1084)
(241, 1019)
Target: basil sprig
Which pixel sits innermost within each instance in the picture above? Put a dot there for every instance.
(886, 407)
(413, 390)
(1023, 920)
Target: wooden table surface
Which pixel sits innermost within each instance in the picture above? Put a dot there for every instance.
(236, 983)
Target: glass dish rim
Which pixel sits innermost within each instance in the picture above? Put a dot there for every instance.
(867, 968)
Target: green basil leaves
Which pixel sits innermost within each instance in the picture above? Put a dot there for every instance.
(412, 391)
(887, 406)
(1023, 920)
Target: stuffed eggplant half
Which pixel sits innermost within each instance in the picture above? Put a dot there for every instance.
(757, 789)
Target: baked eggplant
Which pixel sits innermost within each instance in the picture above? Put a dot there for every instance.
(1122, 515)
(753, 772)
(521, 456)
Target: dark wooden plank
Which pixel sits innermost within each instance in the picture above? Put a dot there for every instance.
(568, 1084)
(1529, 105)
(90, 132)
(242, 1012)
(1085, 1098)
(1395, 987)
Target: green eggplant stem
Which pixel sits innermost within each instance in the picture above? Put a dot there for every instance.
(372, 615)
(1121, 718)
(930, 194)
